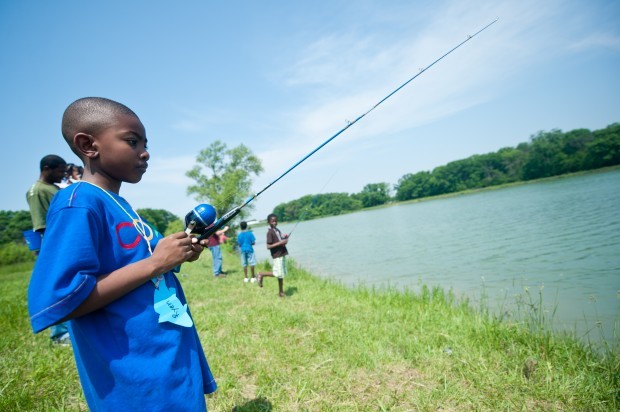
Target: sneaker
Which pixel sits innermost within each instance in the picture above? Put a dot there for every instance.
(253, 280)
(246, 280)
(62, 340)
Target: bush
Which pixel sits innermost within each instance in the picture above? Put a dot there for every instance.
(11, 253)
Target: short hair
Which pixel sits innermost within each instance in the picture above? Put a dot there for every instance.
(89, 115)
(244, 225)
(270, 215)
(52, 162)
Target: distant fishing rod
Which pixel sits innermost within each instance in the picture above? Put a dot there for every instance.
(201, 219)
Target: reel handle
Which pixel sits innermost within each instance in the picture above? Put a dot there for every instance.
(220, 223)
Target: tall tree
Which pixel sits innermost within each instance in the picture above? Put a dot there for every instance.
(224, 176)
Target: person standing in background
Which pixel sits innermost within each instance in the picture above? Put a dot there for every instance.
(216, 253)
(246, 240)
(75, 174)
(276, 243)
(52, 170)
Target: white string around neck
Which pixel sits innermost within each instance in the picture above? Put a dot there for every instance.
(141, 229)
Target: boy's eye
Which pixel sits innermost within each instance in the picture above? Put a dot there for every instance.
(134, 142)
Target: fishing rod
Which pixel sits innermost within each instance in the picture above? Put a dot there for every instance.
(206, 225)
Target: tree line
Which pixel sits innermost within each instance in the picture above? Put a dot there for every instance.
(547, 154)
(223, 177)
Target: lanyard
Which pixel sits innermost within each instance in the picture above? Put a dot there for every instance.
(138, 223)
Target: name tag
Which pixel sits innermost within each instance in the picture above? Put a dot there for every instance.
(169, 307)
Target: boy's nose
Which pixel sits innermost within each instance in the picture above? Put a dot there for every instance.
(145, 155)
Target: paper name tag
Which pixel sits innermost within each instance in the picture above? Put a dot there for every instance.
(169, 307)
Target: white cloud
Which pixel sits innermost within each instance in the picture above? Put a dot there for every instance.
(356, 74)
(608, 41)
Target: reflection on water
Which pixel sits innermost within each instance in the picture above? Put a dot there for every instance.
(560, 238)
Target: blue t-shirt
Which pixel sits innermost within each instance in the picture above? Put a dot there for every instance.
(245, 239)
(126, 359)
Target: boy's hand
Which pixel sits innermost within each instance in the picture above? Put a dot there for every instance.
(197, 247)
(175, 249)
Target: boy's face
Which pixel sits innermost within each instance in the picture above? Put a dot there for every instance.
(273, 222)
(122, 150)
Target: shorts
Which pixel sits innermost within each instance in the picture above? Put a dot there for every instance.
(279, 267)
(247, 258)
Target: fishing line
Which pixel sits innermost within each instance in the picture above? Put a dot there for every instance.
(308, 206)
(205, 232)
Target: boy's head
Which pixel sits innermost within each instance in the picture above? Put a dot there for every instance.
(90, 115)
(108, 136)
(243, 225)
(53, 169)
(272, 219)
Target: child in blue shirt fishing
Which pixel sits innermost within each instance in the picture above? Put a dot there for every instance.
(246, 240)
(134, 340)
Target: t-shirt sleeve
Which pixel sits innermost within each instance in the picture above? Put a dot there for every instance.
(270, 237)
(66, 270)
(38, 203)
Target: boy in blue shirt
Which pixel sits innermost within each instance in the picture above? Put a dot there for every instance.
(134, 341)
(245, 240)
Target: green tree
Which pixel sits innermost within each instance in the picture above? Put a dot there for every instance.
(545, 155)
(512, 160)
(309, 206)
(413, 186)
(12, 224)
(174, 227)
(159, 218)
(224, 176)
(374, 194)
(604, 149)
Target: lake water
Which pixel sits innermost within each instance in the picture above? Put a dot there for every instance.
(559, 239)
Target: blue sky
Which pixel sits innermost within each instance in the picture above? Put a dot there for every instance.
(283, 76)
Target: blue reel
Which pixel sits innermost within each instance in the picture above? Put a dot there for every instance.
(202, 215)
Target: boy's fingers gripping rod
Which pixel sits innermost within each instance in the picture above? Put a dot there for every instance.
(219, 223)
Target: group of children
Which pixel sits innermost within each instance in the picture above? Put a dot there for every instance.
(134, 340)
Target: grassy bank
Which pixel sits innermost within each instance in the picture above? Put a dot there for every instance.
(329, 348)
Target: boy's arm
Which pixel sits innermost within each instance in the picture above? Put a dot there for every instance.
(170, 252)
(280, 243)
(271, 238)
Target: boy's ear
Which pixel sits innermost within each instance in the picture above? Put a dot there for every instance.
(86, 145)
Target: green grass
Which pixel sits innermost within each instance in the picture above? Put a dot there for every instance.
(330, 348)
